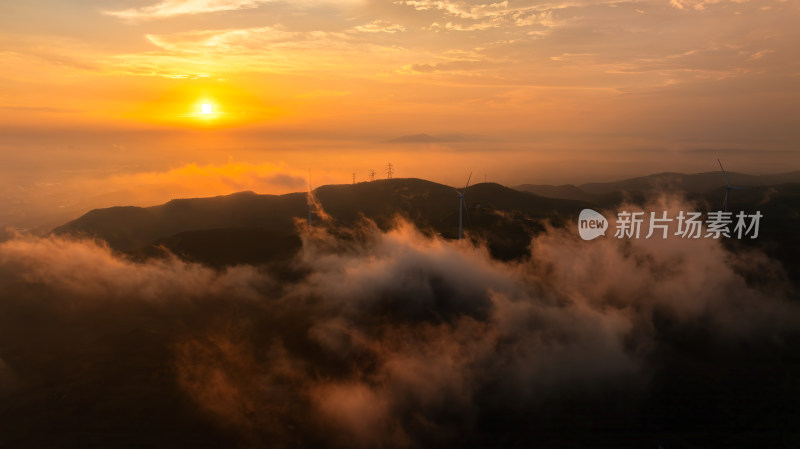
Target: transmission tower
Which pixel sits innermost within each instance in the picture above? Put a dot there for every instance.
(354, 178)
(371, 175)
(389, 170)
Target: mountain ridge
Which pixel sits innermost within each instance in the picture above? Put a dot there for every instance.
(215, 230)
(427, 204)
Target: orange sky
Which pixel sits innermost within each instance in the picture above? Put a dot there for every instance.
(100, 100)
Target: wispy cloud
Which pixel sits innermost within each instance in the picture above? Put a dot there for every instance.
(699, 5)
(447, 66)
(220, 41)
(169, 8)
(460, 8)
(261, 49)
(380, 26)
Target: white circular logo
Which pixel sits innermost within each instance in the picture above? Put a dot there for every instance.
(591, 224)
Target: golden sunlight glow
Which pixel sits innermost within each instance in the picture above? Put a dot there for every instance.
(206, 108)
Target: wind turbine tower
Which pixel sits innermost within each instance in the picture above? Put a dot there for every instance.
(728, 187)
(462, 204)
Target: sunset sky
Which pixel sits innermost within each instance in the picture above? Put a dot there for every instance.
(101, 102)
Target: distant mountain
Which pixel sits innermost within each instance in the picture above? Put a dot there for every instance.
(429, 205)
(562, 192)
(780, 178)
(700, 183)
(696, 183)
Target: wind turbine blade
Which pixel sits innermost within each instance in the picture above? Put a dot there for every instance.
(725, 202)
(723, 173)
(468, 179)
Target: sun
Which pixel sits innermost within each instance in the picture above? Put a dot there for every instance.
(206, 111)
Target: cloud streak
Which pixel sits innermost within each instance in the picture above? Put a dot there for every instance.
(171, 8)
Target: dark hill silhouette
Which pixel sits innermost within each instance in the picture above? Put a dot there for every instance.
(430, 204)
(427, 204)
(130, 228)
(694, 183)
(243, 227)
(227, 246)
(560, 192)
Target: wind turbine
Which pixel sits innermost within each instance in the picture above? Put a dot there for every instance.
(308, 199)
(728, 187)
(462, 204)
